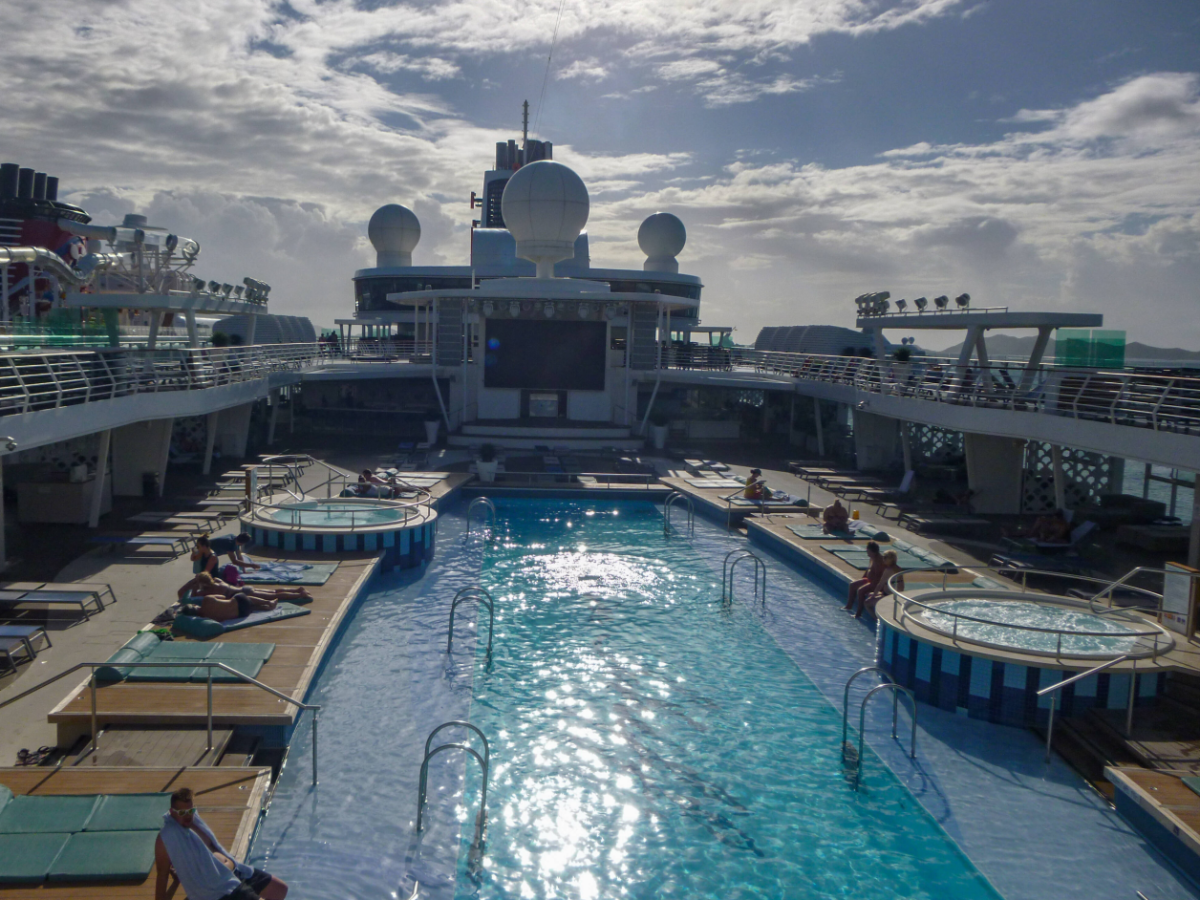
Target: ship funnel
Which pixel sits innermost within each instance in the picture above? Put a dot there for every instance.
(39, 186)
(8, 180)
(52, 187)
(25, 184)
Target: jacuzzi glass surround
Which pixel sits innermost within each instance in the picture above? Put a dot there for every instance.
(1117, 633)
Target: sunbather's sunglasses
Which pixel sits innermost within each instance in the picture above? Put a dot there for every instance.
(183, 812)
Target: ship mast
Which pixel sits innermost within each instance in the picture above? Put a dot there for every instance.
(525, 129)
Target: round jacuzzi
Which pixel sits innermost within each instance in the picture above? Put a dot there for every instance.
(1053, 626)
(987, 653)
(403, 530)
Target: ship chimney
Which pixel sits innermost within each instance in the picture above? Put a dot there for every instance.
(25, 184)
(8, 180)
(51, 187)
(39, 186)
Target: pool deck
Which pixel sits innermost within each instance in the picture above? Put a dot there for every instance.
(300, 645)
(229, 799)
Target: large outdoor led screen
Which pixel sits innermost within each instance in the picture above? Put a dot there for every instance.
(550, 355)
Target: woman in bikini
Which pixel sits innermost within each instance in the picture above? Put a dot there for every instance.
(220, 601)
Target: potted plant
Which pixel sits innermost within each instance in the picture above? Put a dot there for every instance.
(433, 422)
(659, 429)
(487, 463)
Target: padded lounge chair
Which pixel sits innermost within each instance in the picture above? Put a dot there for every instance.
(1078, 533)
(80, 598)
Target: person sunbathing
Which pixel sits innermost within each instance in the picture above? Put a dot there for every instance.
(835, 518)
(205, 585)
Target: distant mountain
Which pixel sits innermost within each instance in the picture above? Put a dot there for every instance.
(1005, 345)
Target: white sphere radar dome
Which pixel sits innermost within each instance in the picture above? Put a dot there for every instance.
(545, 206)
(661, 238)
(394, 231)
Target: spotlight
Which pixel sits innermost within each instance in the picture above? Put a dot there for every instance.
(171, 242)
(940, 302)
(963, 300)
(901, 305)
(881, 303)
(197, 284)
(214, 287)
(920, 303)
(226, 290)
(237, 292)
(863, 302)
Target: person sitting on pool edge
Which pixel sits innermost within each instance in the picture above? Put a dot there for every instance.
(756, 488)
(234, 548)
(835, 518)
(865, 586)
(187, 849)
(891, 566)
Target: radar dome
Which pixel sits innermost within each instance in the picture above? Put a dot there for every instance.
(545, 206)
(394, 230)
(661, 238)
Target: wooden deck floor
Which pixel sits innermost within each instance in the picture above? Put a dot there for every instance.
(300, 644)
(228, 799)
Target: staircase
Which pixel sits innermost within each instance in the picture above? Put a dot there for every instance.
(643, 336)
(450, 332)
(1165, 738)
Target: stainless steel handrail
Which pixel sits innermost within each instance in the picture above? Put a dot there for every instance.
(846, 698)
(668, 504)
(489, 510)
(1053, 690)
(411, 509)
(896, 690)
(241, 676)
(473, 593)
(727, 570)
(485, 763)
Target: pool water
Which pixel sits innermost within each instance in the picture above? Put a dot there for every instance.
(1004, 613)
(336, 515)
(646, 740)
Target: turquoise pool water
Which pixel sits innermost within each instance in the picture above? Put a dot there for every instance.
(332, 514)
(647, 740)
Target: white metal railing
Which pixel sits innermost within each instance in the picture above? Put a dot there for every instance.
(1169, 402)
(35, 381)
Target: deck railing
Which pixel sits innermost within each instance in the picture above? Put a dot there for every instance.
(1161, 402)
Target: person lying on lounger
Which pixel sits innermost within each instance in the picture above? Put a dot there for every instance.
(835, 518)
(205, 585)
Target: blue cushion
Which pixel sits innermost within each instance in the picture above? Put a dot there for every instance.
(26, 858)
(105, 856)
(46, 813)
(130, 812)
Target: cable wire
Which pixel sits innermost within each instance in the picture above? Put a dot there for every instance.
(549, 56)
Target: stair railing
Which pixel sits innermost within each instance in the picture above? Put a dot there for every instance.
(485, 599)
(485, 762)
(668, 504)
(727, 570)
(896, 690)
(1052, 692)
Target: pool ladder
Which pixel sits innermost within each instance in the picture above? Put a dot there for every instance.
(760, 570)
(855, 757)
(672, 498)
(485, 599)
(487, 515)
(485, 764)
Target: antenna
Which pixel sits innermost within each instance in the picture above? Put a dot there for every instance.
(525, 128)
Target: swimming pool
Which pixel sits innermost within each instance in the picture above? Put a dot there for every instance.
(647, 741)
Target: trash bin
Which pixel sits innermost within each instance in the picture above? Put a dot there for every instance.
(149, 484)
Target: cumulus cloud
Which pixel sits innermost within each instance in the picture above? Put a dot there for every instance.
(590, 69)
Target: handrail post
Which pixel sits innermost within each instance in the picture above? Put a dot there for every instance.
(1050, 725)
(315, 713)
(210, 708)
(95, 730)
(1132, 698)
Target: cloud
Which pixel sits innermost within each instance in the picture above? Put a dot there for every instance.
(589, 69)
(431, 68)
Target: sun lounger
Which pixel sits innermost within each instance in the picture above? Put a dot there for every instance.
(98, 587)
(941, 522)
(1078, 533)
(185, 658)
(289, 573)
(1014, 564)
(714, 483)
(23, 635)
(177, 543)
(79, 598)
(816, 532)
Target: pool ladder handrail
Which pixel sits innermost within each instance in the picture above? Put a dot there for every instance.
(727, 570)
(483, 596)
(489, 509)
(691, 511)
(846, 698)
(485, 764)
(897, 690)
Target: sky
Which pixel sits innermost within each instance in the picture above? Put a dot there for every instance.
(1038, 154)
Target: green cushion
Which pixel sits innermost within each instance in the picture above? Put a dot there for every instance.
(145, 642)
(249, 667)
(174, 673)
(171, 651)
(130, 812)
(197, 627)
(5, 796)
(227, 651)
(45, 814)
(114, 671)
(26, 858)
(105, 856)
